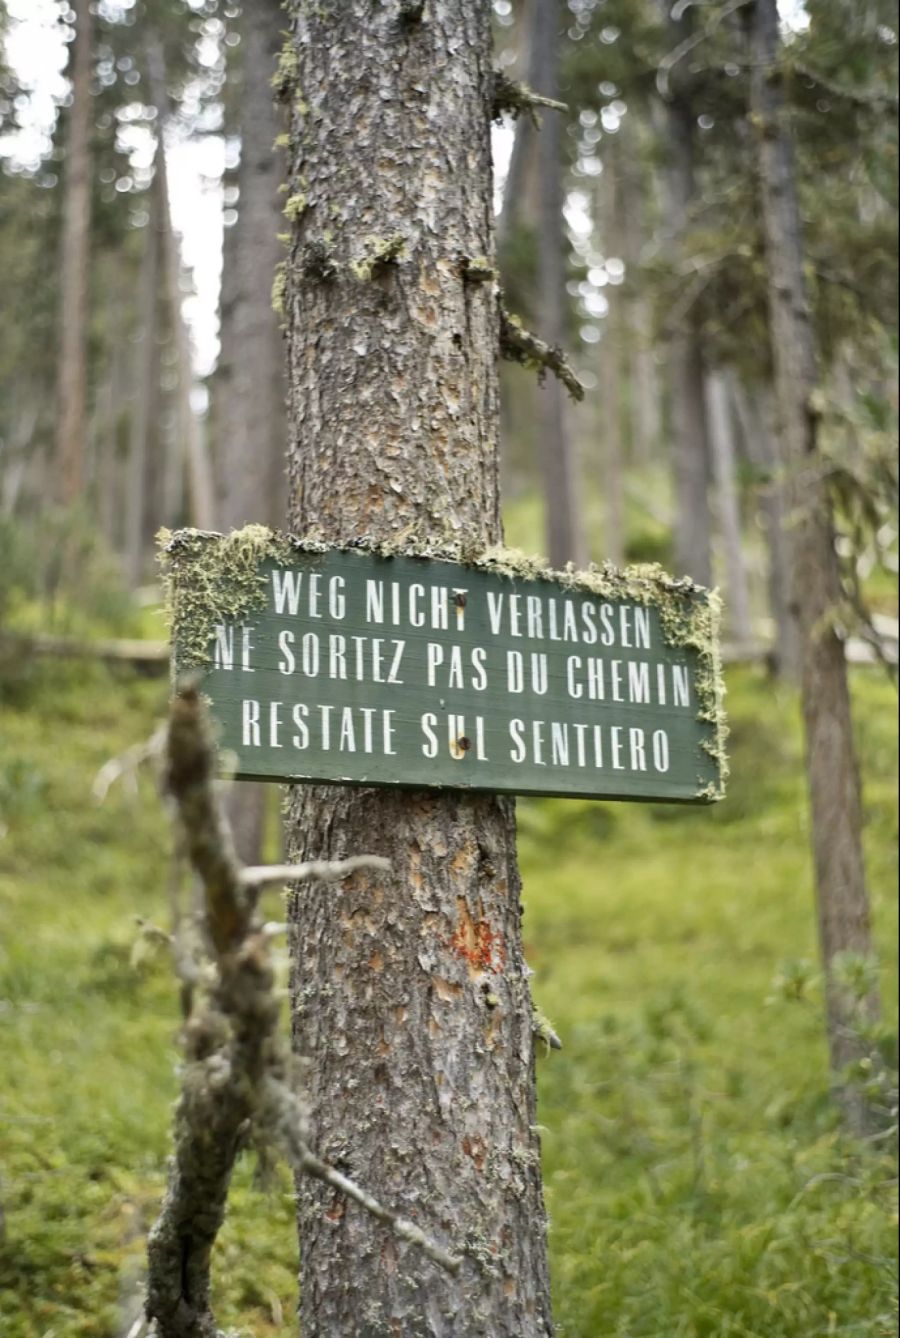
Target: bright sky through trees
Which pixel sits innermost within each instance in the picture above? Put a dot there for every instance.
(36, 50)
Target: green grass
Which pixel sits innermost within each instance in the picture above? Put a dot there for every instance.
(696, 1178)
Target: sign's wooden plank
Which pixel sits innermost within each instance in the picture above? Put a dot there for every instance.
(348, 667)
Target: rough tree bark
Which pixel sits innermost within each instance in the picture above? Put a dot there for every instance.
(562, 495)
(71, 407)
(832, 771)
(252, 419)
(409, 992)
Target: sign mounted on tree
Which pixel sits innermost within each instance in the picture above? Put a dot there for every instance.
(362, 668)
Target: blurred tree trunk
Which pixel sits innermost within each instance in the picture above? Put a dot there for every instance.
(608, 407)
(831, 760)
(113, 402)
(519, 184)
(190, 448)
(520, 392)
(755, 415)
(421, 1082)
(146, 383)
(645, 401)
(71, 406)
(253, 428)
(251, 419)
(17, 456)
(562, 494)
(690, 443)
(721, 436)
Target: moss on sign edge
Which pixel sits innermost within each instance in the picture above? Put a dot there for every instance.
(211, 577)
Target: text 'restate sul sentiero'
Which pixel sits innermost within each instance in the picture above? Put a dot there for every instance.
(563, 665)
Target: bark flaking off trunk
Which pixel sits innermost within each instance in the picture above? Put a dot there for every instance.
(409, 992)
(833, 775)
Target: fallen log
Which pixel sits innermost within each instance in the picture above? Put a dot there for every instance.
(150, 657)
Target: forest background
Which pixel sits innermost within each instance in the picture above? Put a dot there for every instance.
(699, 1178)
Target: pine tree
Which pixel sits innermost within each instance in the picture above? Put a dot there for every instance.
(831, 761)
(410, 992)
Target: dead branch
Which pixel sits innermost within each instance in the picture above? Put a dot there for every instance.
(125, 767)
(519, 345)
(324, 870)
(674, 57)
(238, 1078)
(301, 1158)
(517, 99)
(150, 657)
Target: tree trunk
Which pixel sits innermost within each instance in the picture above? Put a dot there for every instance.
(645, 399)
(146, 367)
(516, 186)
(71, 408)
(721, 435)
(190, 447)
(252, 419)
(254, 428)
(562, 495)
(608, 406)
(690, 444)
(410, 991)
(756, 421)
(831, 762)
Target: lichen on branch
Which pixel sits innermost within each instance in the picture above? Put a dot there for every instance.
(239, 1082)
(516, 99)
(519, 345)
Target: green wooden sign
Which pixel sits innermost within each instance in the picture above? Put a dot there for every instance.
(360, 669)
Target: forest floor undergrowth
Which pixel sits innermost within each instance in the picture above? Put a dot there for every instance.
(697, 1181)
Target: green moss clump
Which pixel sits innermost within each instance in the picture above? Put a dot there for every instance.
(287, 72)
(379, 252)
(279, 285)
(212, 577)
(295, 206)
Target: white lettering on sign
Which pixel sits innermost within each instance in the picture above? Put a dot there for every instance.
(411, 671)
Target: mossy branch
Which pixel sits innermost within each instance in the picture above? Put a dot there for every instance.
(543, 1030)
(238, 1079)
(521, 346)
(518, 99)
